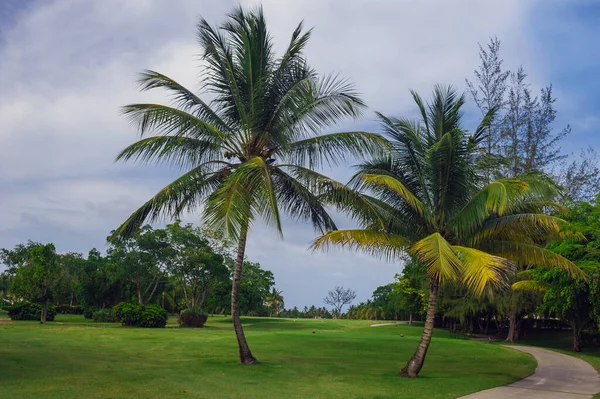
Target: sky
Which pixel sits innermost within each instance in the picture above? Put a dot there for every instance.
(66, 66)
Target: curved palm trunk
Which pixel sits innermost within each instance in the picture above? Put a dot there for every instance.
(414, 365)
(245, 353)
(513, 327)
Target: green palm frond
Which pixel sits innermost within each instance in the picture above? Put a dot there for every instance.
(383, 245)
(530, 285)
(527, 227)
(530, 255)
(243, 195)
(171, 121)
(492, 199)
(371, 181)
(185, 193)
(330, 149)
(484, 126)
(174, 150)
(311, 105)
(484, 271)
(440, 261)
(298, 200)
(183, 98)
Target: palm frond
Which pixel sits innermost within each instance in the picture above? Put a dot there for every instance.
(530, 285)
(270, 209)
(528, 255)
(483, 271)
(300, 202)
(184, 98)
(372, 181)
(526, 227)
(383, 245)
(484, 126)
(330, 149)
(232, 206)
(317, 104)
(440, 261)
(169, 120)
(184, 193)
(174, 150)
(492, 199)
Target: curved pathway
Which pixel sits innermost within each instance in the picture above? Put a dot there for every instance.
(389, 324)
(557, 376)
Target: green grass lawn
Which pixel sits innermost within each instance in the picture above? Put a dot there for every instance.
(76, 358)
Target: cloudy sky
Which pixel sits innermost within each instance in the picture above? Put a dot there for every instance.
(66, 66)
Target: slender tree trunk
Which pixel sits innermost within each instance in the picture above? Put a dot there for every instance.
(44, 315)
(72, 296)
(577, 340)
(410, 319)
(205, 290)
(152, 293)
(414, 365)
(245, 353)
(138, 289)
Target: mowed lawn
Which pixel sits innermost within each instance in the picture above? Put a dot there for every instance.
(76, 358)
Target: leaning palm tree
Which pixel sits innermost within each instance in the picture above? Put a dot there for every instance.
(275, 301)
(425, 198)
(250, 152)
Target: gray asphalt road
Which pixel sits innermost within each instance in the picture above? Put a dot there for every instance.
(557, 376)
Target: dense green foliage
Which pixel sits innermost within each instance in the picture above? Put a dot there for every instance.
(24, 310)
(135, 315)
(427, 197)
(176, 268)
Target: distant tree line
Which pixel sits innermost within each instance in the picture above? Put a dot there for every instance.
(178, 267)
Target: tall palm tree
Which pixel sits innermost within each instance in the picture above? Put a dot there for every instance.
(425, 197)
(249, 152)
(275, 301)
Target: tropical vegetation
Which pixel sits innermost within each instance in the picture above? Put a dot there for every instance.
(427, 198)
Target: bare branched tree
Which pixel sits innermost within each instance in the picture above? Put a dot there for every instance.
(338, 298)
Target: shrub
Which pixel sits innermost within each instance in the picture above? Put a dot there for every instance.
(133, 315)
(105, 316)
(29, 311)
(67, 309)
(88, 313)
(153, 316)
(128, 314)
(194, 317)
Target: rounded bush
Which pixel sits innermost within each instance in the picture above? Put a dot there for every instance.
(132, 315)
(153, 316)
(128, 314)
(29, 311)
(192, 318)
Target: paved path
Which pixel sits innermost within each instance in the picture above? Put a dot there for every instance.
(389, 324)
(557, 376)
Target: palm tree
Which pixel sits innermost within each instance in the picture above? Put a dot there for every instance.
(251, 150)
(275, 301)
(426, 198)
